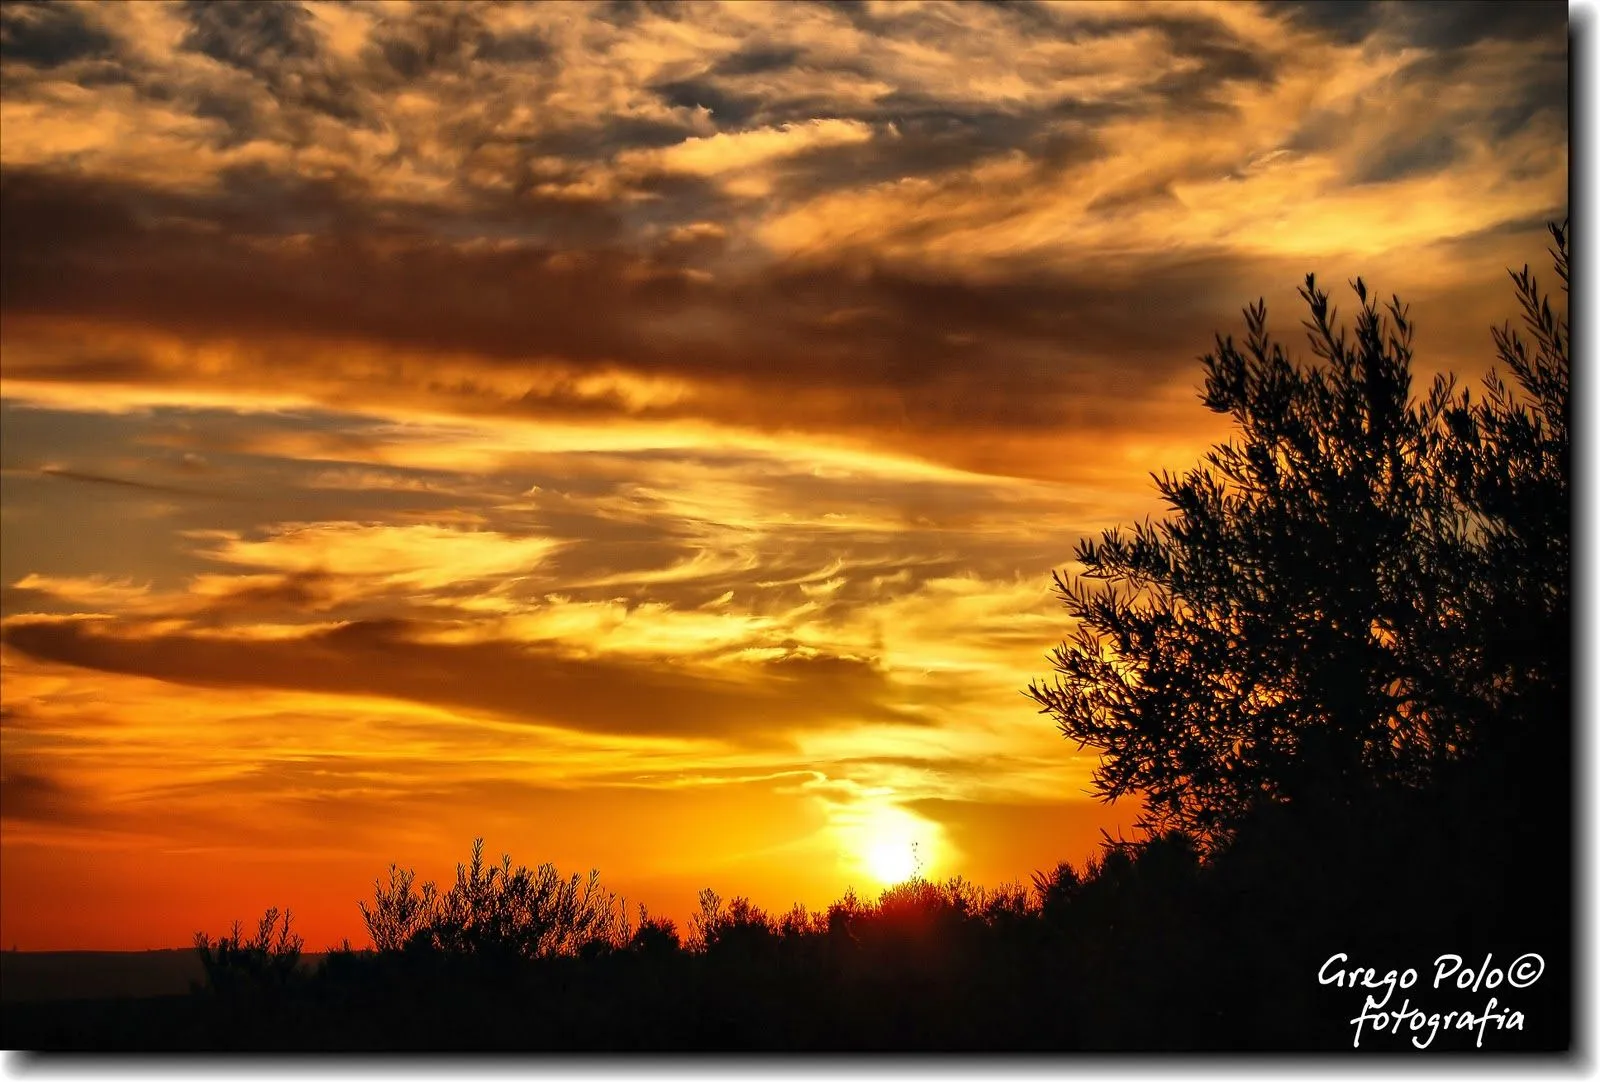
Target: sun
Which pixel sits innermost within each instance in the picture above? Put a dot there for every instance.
(891, 845)
(892, 860)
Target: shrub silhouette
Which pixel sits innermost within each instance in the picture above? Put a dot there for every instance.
(739, 929)
(399, 913)
(497, 911)
(654, 936)
(266, 961)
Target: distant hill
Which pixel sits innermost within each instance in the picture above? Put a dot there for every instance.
(40, 976)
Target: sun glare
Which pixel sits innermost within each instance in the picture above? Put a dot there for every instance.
(890, 844)
(892, 861)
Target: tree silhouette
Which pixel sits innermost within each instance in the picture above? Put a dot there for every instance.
(1343, 593)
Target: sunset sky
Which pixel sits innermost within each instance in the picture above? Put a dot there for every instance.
(642, 435)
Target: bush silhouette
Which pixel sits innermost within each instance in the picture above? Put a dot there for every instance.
(266, 961)
(497, 911)
(654, 936)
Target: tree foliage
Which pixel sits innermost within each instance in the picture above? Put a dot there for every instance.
(1357, 589)
(1508, 461)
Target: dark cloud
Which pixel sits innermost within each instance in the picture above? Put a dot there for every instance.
(1200, 89)
(934, 346)
(85, 369)
(250, 34)
(1028, 13)
(48, 35)
(628, 12)
(1344, 21)
(126, 482)
(1533, 228)
(938, 132)
(276, 44)
(429, 38)
(755, 60)
(29, 796)
(519, 47)
(1220, 55)
(1446, 24)
(312, 793)
(594, 141)
(1432, 24)
(1543, 85)
(760, 704)
(1409, 154)
(1217, 55)
(930, 138)
(1545, 91)
(730, 108)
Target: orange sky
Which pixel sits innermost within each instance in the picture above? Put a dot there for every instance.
(642, 435)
